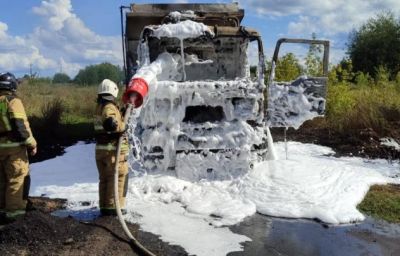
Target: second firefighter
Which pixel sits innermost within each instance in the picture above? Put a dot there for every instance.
(109, 126)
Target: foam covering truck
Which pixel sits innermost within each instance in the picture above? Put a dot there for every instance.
(202, 113)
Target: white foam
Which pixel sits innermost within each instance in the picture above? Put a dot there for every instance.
(391, 143)
(191, 232)
(181, 30)
(290, 104)
(165, 67)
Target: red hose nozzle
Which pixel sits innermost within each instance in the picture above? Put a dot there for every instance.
(140, 87)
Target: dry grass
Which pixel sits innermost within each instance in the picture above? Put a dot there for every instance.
(351, 107)
(59, 113)
(76, 103)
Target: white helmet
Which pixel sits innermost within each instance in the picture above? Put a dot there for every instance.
(109, 87)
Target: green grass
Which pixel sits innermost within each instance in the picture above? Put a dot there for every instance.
(382, 202)
(351, 108)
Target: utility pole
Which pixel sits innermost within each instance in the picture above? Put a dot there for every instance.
(30, 70)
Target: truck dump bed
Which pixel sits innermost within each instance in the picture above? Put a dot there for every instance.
(141, 15)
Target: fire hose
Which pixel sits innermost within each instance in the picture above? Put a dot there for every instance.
(132, 239)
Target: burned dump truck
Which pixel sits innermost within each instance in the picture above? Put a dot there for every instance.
(205, 115)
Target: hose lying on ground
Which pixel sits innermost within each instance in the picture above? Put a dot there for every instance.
(132, 239)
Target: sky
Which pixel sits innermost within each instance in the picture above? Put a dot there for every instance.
(66, 35)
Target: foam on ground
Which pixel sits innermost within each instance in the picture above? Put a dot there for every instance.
(311, 184)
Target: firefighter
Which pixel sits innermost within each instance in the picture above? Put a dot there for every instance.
(16, 141)
(109, 126)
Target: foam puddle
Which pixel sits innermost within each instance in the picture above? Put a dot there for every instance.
(311, 184)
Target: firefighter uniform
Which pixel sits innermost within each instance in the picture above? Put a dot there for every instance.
(15, 139)
(109, 126)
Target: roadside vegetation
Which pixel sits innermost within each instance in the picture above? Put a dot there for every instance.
(362, 102)
(382, 202)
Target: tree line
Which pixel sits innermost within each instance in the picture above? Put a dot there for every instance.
(91, 75)
(372, 54)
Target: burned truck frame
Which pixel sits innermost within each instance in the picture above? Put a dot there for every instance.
(291, 103)
(207, 119)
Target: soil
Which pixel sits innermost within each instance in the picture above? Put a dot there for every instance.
(40, 233)
(362, 142)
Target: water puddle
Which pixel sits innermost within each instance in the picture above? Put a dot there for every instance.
(88, 214)
(277, 236)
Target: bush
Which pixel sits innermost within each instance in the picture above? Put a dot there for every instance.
(61, 78)
(381, 76)
(94, 74)
(51, 113)
(339, 103)
(362, 79)
(376, 43)
(342, 72)
(351, 107)
(287, 68)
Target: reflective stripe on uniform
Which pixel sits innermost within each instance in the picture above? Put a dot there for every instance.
(124, 147)
(111, 147)
(17, 115)
(14, 214)
(108, 147)
(10, 144)
(29, 141)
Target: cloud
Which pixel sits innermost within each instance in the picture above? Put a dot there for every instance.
(68, 67)
(62, 40)
(14, 61)
(56, 12)
(65, 36)
(3, 31)
(303, 25)
(327, 17)
(17, 53)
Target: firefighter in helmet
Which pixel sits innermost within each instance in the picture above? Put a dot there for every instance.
(16, 141)
(109, 126)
